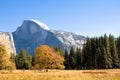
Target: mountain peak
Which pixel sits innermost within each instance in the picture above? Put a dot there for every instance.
(33, 33)
(44, 26)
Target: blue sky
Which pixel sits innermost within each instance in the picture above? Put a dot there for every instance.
(83, 17)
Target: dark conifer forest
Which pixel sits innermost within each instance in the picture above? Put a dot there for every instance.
(97, 53)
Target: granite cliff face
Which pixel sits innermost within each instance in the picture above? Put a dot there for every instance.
(6, 39)
(70, 39)
(33, 33)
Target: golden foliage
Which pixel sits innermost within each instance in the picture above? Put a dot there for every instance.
(5, 62)
(47, 58)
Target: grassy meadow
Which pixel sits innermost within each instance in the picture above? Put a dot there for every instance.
(60, 75)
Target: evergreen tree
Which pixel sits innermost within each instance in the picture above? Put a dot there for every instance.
(87, 54)
(113, 50)
(59, 49)
(101, 53)
(107, 52)
(98, 54)
(104, 59)
(32, 63)
(72, 59)
(98, 59)
(79, 58)
(23, 60)
(93, 52)
(118, 46)
(66, 62)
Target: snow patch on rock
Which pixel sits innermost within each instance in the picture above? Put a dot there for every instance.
(44, 26)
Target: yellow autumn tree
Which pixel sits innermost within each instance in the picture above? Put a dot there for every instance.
(47, 58)
(5, 62)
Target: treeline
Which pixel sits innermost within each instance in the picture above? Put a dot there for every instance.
(45, 57)
(97, 53)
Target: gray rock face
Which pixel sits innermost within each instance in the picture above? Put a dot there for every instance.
(33, 33)
(6, 39)
(70, 39)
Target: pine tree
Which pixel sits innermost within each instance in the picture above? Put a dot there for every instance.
(87, 54)
(66, 62)
(93, 52)
(101, 53)
(98, 59)
(104, 59)
(118, 46)
(23, 60)
(79, 58)
(59, 49)
(113, 50)
(107, 52)
(72, 59)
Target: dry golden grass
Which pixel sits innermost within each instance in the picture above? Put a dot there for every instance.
(61, 75)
